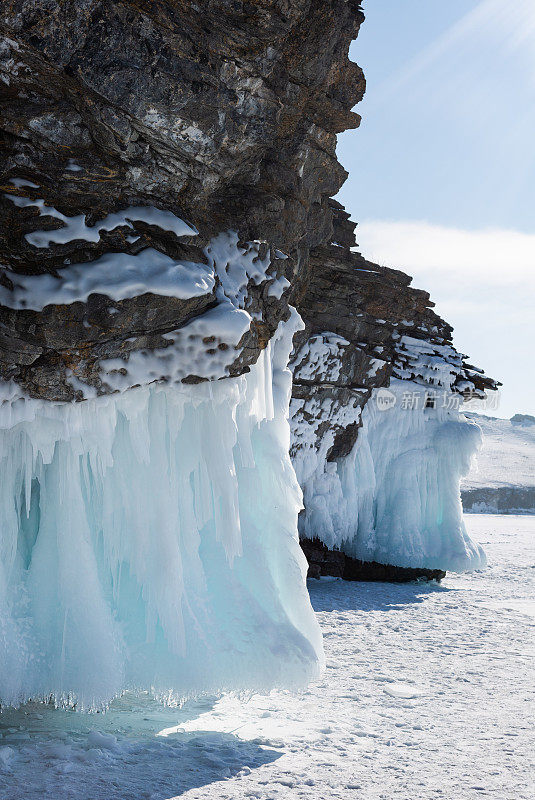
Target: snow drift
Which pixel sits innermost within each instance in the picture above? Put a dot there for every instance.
(149, 540)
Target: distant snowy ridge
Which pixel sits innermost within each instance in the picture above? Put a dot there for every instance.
(503, 476)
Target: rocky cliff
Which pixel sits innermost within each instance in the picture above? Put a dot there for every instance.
(223, 115)
(167, 175)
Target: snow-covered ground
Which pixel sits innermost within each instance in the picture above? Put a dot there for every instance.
(502, 478)
(507, 455)
(429, 692)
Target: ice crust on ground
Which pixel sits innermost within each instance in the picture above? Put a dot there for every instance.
(149, 539)
(395, 499)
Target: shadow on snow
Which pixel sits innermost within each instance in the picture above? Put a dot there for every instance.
(340, 595)
(48, 754)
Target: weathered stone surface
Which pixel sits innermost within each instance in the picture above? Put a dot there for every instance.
(372, 308)
(225, 113)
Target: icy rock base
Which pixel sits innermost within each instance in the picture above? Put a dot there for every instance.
(323, 562)
(149, 541)
(395, 499)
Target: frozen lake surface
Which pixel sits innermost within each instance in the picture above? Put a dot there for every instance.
(429, 692)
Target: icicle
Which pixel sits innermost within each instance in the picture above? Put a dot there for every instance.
(164, 551)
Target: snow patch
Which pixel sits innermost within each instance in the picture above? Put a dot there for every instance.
(320, 357)
(116, 275)
(75, 228)
(205, 347)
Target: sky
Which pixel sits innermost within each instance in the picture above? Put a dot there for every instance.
(442, 170)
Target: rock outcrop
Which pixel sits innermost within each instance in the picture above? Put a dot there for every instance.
(324, 562)
(224, 115)
(364, 325)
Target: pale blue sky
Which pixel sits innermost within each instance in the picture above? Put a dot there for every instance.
(442, 169)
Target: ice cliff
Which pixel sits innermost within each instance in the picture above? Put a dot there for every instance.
(165, 205)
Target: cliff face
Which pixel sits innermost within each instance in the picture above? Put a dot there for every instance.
(363, 325)
(224, 114)
(167, 171)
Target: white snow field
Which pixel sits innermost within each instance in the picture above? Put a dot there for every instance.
(507, 455)
(428, 693)
(502, 478)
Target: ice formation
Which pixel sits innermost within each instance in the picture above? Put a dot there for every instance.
(149, 539)
(395, 499)
(149, 536)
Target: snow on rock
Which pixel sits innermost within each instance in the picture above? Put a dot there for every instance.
(149, 539)
(228, 309)
(187, 352)
(236, 266)
(207, 346)
(320, 356)
(427, 362)
(75, 227)
(116, 275)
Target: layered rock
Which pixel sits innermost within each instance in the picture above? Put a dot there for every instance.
(224, 116)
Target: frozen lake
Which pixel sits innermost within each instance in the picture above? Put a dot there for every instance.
(429, 692)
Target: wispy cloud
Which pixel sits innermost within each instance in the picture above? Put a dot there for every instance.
(483, 282)
(492, 257)
(508, 27)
